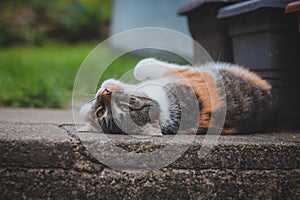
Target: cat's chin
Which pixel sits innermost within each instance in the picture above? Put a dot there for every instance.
(87, 128)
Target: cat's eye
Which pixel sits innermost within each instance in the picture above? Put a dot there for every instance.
(100, 112)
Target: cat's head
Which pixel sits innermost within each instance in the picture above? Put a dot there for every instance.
(122, 112)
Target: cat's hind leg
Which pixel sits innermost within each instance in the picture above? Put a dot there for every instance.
(150, 68)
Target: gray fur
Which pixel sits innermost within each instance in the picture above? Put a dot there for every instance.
(249, 108)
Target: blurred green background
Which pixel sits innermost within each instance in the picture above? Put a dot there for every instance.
(43, 43)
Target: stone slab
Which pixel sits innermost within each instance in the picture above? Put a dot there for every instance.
(34, 146)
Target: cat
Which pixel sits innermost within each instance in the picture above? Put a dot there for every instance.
(155, 105)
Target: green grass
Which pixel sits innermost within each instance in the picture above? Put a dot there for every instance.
(44, 76)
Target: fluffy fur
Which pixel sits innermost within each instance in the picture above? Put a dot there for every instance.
(154, 106)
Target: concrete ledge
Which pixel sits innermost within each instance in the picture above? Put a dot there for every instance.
(243, 152)
(50, 161)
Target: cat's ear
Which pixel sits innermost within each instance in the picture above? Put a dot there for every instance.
(150, 68)
(111, 83)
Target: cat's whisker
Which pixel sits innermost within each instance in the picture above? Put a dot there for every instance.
(219, 58)
(89, 95)
(92, 99)
(87, 98)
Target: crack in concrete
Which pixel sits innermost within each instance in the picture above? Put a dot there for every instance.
(83, 159)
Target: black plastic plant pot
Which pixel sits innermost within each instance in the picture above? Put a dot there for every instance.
(266, 40)
(294, 7)
(207, 30)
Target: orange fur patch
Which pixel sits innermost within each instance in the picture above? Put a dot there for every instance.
(205, 88)
(250, 77)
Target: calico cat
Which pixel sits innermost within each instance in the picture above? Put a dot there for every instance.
(155, 105)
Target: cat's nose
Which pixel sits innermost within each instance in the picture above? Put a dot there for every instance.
(103, 91)
(106, 92)
(100, 91)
